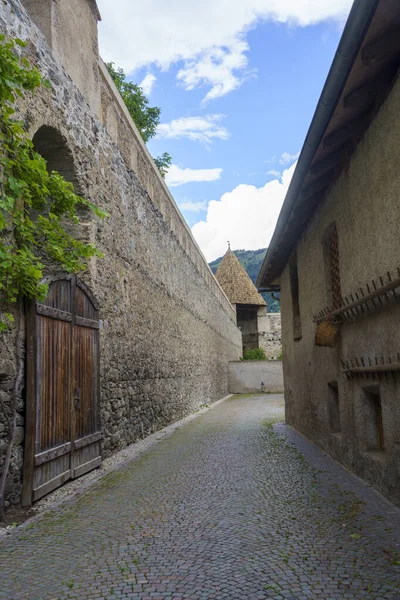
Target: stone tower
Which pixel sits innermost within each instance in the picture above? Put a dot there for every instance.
(243, 294)
(70, 29)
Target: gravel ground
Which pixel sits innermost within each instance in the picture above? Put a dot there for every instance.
(231, 506)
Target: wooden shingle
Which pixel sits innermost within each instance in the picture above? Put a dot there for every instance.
(236, 283)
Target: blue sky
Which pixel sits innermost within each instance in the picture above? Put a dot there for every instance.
(237, 91)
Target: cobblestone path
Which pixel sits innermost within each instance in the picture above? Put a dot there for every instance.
(228, 507)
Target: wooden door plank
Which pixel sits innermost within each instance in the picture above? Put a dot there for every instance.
(53, 313)
(63, 352)
(83, 322)
(72, 372)
(89, 439)
(51, 485)
(49, 455)
(31, 392)
(86, 467)
(47, 463)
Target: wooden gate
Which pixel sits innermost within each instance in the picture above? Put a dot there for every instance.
(62, 418)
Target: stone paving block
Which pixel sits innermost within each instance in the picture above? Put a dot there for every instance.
(231, 507)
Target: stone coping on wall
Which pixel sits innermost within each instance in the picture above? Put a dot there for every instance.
(178, 224)
(243, 362)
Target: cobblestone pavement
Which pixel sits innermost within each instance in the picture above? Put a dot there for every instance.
(228, 507)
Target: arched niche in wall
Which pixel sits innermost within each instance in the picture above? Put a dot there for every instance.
(50, 144)
(53, 147)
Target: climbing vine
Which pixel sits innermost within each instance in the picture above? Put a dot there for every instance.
(34, 205)
(36, 209)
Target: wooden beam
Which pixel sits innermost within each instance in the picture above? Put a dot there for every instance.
(379, 368)
(308, 204)
(324, 165)
(52, 454)
(336, 159)
(352, 129)
(364, 96)
(380, 48)
(53, 313)
(319, 184)
(364, 299)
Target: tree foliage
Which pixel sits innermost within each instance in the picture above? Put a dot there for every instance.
(145, 117)
(35, 206)
(163, 163)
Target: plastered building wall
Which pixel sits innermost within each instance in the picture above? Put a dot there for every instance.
(168, 330)
(256, 377)
(365, 205)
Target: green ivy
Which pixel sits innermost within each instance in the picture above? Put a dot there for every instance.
(36, 207)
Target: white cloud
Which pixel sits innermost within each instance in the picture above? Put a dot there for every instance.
(274, 173)
(209, 36)
(246, 216)
(287, 158)
(202, 129)
(148, 83)
(217, 67)
(178, 176)
(193, 206)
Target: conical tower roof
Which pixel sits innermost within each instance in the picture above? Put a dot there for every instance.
(236, 283)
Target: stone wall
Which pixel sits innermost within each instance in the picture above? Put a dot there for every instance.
(168, 330)
(247, 323)
(255, 377)
(270, 333)
(365, 205)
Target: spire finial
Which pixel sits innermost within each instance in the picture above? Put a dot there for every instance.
(229, 245)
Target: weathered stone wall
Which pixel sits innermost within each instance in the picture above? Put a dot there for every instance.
(168, 329)
(269, 333)
(365, 204)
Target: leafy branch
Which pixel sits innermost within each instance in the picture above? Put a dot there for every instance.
(145, 117)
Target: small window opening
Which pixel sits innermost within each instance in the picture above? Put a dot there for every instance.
(294, 286)
(373, 419)
(332, 267)
(334, 408)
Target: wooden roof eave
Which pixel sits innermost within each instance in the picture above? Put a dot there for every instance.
(369, 81)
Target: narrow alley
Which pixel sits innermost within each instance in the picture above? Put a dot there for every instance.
(233, 505)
